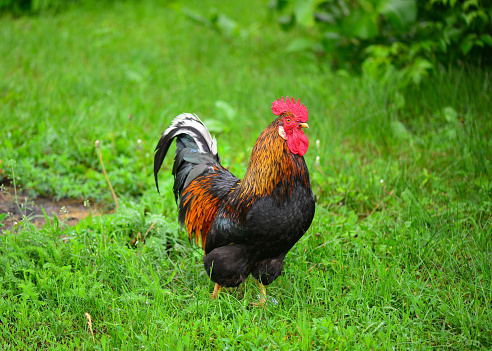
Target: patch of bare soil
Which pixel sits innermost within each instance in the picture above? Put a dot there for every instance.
(71, 211)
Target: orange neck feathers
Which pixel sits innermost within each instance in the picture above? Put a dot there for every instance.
(271, 162)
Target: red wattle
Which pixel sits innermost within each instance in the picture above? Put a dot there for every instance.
(298, 143)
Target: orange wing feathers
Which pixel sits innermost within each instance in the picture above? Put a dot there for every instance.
(201, 200)
(200, 206)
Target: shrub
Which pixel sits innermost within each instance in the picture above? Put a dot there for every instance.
(378, 37)
(18, 7)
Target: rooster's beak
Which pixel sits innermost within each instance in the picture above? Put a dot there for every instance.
(303, 125)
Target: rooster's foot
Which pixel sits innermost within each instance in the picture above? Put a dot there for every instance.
(215, 294)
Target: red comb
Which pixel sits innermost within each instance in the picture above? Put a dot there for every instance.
(297, 109)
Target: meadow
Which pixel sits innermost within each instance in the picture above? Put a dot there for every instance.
(399, 254)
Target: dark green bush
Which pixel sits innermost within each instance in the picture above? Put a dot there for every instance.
(409, 37)
(35, 7)
(18, 7)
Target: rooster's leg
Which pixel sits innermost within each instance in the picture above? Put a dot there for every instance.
(262, 301)
(217, 289)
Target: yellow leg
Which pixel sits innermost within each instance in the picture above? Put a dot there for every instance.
(217, 289)
(262, 301)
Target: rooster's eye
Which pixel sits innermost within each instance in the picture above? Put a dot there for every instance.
(288, 120)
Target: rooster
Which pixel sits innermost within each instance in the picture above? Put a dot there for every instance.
(245, 226)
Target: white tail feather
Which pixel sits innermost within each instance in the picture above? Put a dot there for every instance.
(190, 122)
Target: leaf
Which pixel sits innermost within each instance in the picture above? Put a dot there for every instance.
(470, 17)
(487, 39)
(467, 44)
(330, 35)
(300, 44)
(287, 22)
(466, 5)
(443, 45)
(227, 26)
(418, 69)
(46, 218)
(325, 17)
(196, 17)
(304, 11)
(400, 13)
(361, 25)
(56, 222)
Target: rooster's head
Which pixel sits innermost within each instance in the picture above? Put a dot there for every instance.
(294, 117)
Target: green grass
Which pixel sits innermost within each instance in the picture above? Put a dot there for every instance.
(398, 255)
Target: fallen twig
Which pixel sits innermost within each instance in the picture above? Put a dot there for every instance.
(148, 230)
(89, 321)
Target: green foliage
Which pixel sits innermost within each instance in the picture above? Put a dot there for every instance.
(2, 218)
(41, 7)
(409, 38)
(18, 7)
(219, 22)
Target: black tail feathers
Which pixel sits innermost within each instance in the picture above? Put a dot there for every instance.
(196, 151)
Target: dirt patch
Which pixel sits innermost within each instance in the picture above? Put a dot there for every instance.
(69, 210)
